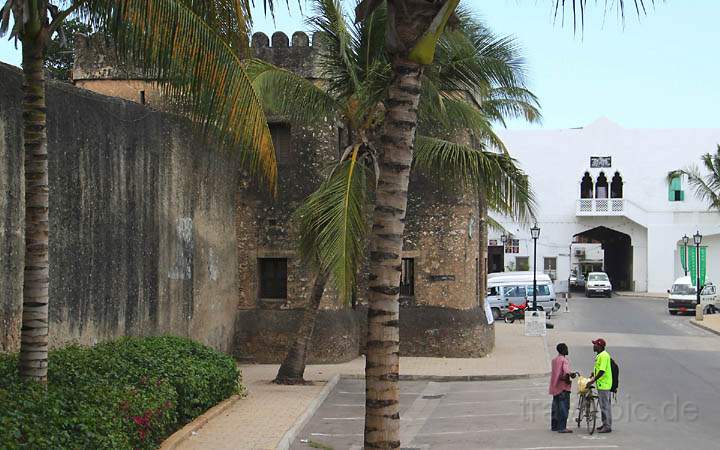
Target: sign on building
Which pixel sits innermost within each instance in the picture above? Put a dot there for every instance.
(600, 162)
(535, 323)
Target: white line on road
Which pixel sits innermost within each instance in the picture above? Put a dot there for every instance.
(573, 447)
(482, 402)
(336, 435)
(462, 416)
(494, 430)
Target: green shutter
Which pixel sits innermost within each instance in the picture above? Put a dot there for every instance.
(682, 196)
(671, 195)
(675, 184)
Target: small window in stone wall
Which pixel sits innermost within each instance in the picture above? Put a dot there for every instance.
(407, 278)
(282, 141)
(273, 278)
(512, 246)
(522, 263)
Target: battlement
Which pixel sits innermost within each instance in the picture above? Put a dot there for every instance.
(96, 59)
(299, 57)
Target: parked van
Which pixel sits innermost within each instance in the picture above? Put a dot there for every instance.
(682, 297)
(516, 287)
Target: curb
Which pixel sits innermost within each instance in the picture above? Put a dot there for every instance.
(703, 327)
(644, 297)
(291, 434)
(185, 432)
(451, 378)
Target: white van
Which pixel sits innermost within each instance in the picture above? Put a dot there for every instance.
(516, 287)
(682, 297)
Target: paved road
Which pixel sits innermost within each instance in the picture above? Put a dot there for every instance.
(669, 399)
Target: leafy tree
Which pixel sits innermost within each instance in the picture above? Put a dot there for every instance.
(61, 49)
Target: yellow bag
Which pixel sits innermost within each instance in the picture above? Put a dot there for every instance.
(582, 385)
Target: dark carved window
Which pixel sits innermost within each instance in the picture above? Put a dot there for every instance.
(273, 278)
(616, 186)
(586, 186)
(282, 141)
(407, 278)
(601, 187)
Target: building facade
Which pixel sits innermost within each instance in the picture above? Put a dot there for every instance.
(605, 201)
(441, 313)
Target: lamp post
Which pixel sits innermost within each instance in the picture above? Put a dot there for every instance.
(697, 238)
(685, 241)
(535, 232)
(504, 240)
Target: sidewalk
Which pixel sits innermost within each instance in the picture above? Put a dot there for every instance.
(649, 295)
(710, 322)
(260, 420)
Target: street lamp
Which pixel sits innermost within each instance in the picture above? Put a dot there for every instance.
(535, 232)
(504, 239)
(697, 238)
(685, 240)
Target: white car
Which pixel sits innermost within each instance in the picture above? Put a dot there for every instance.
(598, 283)
(682, 297)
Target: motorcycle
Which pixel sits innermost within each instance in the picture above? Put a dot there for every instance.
(515, 312)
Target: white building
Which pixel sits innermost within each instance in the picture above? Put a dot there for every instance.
(607, 184)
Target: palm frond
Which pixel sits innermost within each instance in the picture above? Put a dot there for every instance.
(511, 103)
(195, 66)
(332, 223)
(337, 58)
(706, 187)
(578, 8)
(458, 116)
(505, 187)
(290, 95)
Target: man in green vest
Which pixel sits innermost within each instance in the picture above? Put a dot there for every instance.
(602, 378)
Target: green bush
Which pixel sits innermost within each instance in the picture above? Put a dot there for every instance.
(129, 393)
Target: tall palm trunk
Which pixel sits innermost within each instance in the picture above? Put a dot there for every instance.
(34, 333)
(482, 247)
(382, 407)
(293, 366)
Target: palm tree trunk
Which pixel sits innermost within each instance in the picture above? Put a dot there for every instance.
(482, 248)
(382, 407)
(293, 366)
(34, 333)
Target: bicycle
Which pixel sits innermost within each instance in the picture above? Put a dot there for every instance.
(588, 405)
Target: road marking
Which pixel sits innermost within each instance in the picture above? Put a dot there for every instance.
(494, 430)
(403, 419)
(420, 410)
(335, 435)
(363, 393)
(571, 447)
(482, 402)
(489, 391)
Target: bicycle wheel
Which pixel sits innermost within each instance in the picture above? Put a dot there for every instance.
(592, 410)
(578, 420)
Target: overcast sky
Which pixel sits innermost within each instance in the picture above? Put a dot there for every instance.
(660, 71)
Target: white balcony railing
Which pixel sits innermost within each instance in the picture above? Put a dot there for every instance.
(601, 207)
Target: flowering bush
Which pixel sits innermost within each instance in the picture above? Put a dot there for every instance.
(130, 393)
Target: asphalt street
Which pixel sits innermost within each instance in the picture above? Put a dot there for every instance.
(669, 392)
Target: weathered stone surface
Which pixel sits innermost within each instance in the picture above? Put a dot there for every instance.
(142, 222)
(263, 336)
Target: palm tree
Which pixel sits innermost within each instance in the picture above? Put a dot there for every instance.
(194, 51)
(355, 66)
(413, 30)
(706, 186)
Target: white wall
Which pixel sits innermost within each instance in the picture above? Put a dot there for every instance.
(556, 161)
